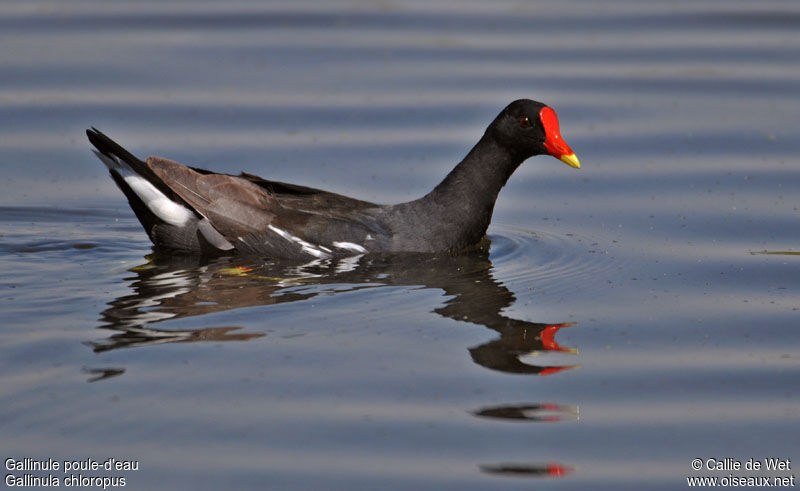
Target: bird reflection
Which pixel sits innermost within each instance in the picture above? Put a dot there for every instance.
(542, 413)
(168, 288)
(549, 469)
(98, 374)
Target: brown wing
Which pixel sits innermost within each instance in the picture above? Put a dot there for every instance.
(311, 200)
(243, 207)
(234, 206)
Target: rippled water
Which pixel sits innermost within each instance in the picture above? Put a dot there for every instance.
(618, 322)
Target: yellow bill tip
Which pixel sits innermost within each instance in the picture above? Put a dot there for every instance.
(571, 160)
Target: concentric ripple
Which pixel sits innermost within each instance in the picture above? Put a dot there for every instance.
(545, 258)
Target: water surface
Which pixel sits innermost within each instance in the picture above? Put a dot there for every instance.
(618, 322)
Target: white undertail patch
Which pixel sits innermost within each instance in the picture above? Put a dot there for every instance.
(163, 207)
(157, 202)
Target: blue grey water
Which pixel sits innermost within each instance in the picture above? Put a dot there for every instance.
(626, 318)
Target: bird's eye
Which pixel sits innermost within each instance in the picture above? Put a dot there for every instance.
(525, 122)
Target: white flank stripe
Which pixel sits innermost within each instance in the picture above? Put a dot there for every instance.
(349, 246)
(317, 251)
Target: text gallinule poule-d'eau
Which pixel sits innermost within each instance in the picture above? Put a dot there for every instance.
(195, 211)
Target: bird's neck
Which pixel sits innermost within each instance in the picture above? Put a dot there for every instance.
(462, 204)
(479, 177)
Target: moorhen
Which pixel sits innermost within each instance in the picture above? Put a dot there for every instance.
(194, 211)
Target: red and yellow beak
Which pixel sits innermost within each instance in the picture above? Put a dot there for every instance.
(553, 142)
(571, 160)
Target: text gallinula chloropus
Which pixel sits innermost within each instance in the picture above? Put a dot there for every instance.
(190, 210)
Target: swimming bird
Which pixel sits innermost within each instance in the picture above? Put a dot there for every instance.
(187, 210)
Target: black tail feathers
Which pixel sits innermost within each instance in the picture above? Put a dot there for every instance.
(112, 149)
